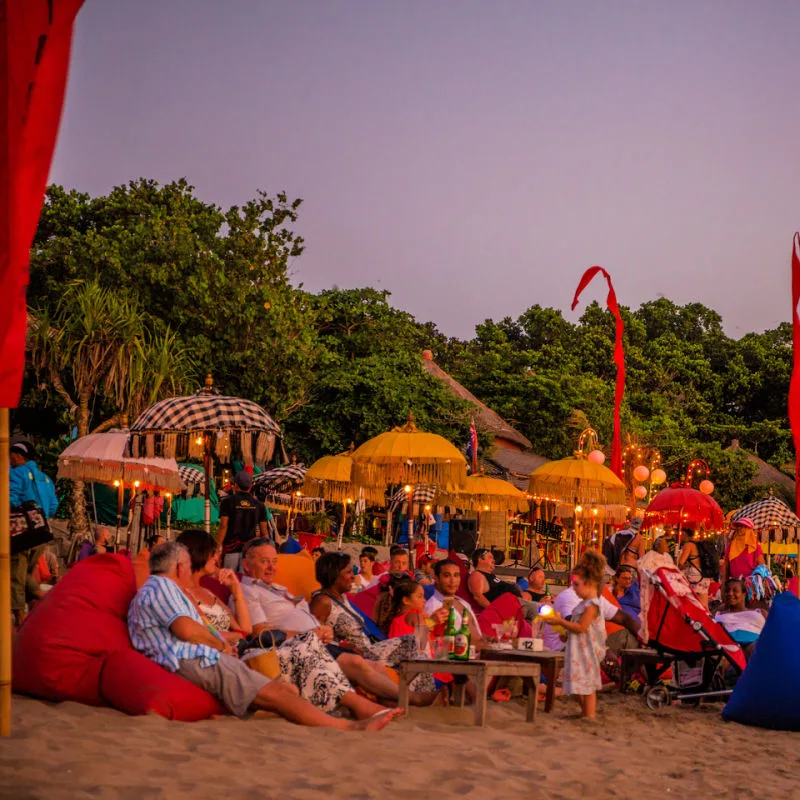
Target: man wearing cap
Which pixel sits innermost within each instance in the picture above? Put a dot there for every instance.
(27, 483)
(242, 517)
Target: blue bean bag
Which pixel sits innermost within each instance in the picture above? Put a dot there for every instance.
(768, 693)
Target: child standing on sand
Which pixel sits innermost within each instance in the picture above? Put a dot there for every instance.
(586, 634)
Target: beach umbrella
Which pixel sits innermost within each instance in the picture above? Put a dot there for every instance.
(280, 480)
(421, 494)
(408, 456)
(483, 493)
(329, 478)
(204, 425)
(191, 478)
(101, 458)
(770, 512)
(575, 481)
(683, 507)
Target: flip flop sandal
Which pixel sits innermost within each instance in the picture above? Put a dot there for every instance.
(501, 696)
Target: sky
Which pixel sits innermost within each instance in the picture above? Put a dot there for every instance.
(473, 158)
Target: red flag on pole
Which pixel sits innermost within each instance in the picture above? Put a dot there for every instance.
(619, 360)
(794, 386)
(35, 38)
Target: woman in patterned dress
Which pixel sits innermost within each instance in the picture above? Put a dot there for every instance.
(331, 607)
(304, 659)
(586, 634)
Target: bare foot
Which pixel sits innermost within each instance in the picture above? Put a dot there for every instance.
(377, 721)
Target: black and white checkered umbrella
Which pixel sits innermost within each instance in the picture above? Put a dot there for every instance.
(768, 513)
(422, 494)
(191, 478)
(180, 427)
(280, 480)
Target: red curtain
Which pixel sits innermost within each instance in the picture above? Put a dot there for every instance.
(619, 360)
(794, 387)
(35, 38)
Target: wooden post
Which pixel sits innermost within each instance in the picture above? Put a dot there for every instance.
(207, 467)
(341, 527)
(5, 579)
(411, 527)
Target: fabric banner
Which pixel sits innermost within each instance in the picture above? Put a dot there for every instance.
(619, 360)
(794, 386)
(35, 39)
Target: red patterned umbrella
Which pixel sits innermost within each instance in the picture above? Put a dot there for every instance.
(684, 508)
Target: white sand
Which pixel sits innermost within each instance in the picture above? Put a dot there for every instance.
(73, 751)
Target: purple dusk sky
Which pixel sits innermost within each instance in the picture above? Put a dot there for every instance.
(471, 157)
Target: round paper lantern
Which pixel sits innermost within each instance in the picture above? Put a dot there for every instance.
(658, 477)
(597, 456)
(706, 487)
(641, 473)
(640, 492)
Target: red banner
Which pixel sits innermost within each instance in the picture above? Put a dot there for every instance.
(35, 38)
(619, 360)
(794, 386)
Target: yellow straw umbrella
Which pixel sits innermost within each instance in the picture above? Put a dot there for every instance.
(407, 455)
(482, 493)
(329, 478)
(576, 481)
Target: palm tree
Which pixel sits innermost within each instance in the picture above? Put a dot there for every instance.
(97, 345)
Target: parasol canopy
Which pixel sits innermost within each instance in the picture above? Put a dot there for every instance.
(329, 477)
(422, 495)
(101, 457)
(683, 507)
(280, 480)
(191, 478)
(177, 428)
(407, 455)
(768, 513)
(577, 480)
(482, 493)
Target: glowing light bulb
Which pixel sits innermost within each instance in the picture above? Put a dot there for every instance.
(116, 483)
(407, 489)
(198, 440)
(579, 509)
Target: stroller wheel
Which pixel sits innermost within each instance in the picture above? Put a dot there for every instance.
(657, 697)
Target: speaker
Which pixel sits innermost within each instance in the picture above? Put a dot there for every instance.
(463, 535)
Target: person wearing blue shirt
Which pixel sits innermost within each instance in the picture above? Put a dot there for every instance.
(27, 483)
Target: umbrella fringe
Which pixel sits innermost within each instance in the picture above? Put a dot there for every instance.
(371, 475)
(332, 491)
(570, 493)
(480, 502)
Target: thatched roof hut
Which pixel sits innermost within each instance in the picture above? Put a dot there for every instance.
(486, 420)
(768, 475)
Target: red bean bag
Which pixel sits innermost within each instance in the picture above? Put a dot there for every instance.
(507, 606)
(64, 649)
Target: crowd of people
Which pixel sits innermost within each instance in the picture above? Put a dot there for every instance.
(212, 611)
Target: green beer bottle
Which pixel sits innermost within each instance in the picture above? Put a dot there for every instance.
(463, 638)
(449, 637)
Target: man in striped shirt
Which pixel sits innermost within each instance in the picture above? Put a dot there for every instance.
(167, 628)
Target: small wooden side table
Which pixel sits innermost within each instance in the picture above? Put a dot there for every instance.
(481, 672)
(550, 662)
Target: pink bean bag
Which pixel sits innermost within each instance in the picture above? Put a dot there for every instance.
(75, 646)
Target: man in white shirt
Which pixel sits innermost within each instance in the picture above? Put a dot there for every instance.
(566, 603)
(448, 579)
(272, 607)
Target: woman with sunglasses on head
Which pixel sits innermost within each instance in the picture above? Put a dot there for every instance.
(331, 607)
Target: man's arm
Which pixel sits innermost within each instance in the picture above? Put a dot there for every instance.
(627, 621)
(478, 586)
(187, 630)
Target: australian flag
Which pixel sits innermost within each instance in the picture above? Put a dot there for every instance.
(472, 446)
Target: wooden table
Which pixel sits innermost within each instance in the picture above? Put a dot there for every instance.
(481, 671)
(549, 660)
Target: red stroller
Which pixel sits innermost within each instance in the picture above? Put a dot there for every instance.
(695, 647)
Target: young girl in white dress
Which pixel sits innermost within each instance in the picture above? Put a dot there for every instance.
(585, 634)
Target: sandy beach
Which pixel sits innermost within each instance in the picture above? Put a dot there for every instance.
(73, 751)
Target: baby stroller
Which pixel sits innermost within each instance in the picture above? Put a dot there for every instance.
(696, 649)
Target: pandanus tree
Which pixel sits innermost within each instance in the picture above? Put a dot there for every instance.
(96, 351)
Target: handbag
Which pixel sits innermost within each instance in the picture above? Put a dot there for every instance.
(28, 527)
(267, 663)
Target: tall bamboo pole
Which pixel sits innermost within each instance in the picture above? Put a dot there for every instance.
(5, 579)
